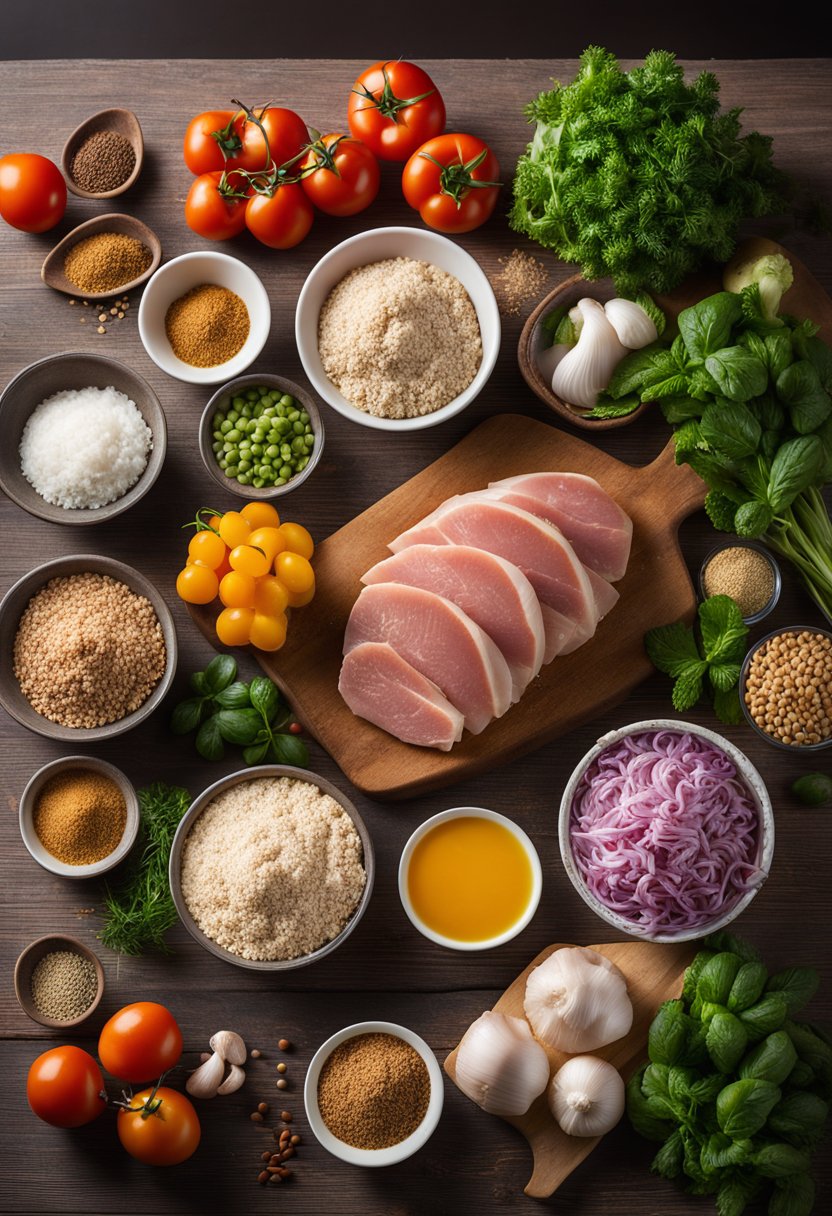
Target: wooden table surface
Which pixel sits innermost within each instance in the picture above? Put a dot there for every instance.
(386, 970)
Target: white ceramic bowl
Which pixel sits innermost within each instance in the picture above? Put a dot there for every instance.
(470, 812)
(172, 281)
(381, 1156)
(756, 787)
(374, 246)
(28, 801)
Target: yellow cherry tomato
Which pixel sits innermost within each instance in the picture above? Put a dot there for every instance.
(234, 529)
(299, 599)
(297, 539)
(268, 632)
(237, 590)
(269, 540)
(270, 596)
(234, 626)
(248, 560)
(196, 584)
(261, 515)
(294, 572)
(208, 548)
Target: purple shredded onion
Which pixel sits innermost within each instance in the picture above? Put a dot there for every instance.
(665, 832)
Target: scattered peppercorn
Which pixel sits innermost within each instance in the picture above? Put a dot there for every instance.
(788, 689)
(263, 1108)
(255, 1054)
(256, 1117)
(103, 162)
(743, 573)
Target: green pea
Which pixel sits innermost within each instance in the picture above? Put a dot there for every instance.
(231, 470)
(280, 481)
(298, 445)
(217, 448)
(293, 415)
(238, 402)
(302, 463)
(259, 435)
(283, 425)
(244, 464)
(258, 483)
(287, 400)
(226, 426)
(244, 479)
(286, 451)
(252, 394)
(244, 444)
(257, 449)
(309, 442)
(273, 436)
(298, 427)
(234, 436)
(233, 415)
(246, 411)
(222, 462)
(268, 478)
(218, 419)
(272, 451)
(269, 412)
(263, 471)
(286, 471)
(275, 395)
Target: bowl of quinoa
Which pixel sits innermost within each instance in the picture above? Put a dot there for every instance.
(271, 868)
(87, 649)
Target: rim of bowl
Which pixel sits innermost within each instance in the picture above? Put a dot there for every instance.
(60, 940)
(80, 517)
(752, 780)
(739, 543)
(31, 583)
(26, 815)
(794, 749)
(233, 367)
(323, 386)
(471, 812)
(195, 810)
(395, 1152)
(206, 451)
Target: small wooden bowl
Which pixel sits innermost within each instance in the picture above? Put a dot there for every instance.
(531, 343)
(52, 270)
(123, 122)
(30, 958)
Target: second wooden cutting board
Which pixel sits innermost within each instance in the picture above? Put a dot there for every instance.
(655, 590)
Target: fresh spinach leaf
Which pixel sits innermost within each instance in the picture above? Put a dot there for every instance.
(800, 389)
(820, 356)
(706, 326)
(743, 1107)
(643, 1120)
(752, 519)
(290, 749)
(720, 1151)
(614, 409)
(793, 1196)
(257, 753)
(238, 726)
(731, 427)
(717, 977)
(668, 1031)
(235, 696)
(772, 1060)
(769, 1013)
(779, 352)
(187, 715)
(669, 1160)
(739, 374)
(793, 470)
(726, 1041)
(799, 1118)
(797, 986)
(748, 986)
(780, 1161)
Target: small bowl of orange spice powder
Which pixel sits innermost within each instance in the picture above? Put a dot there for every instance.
(79, 816)
(373, 1094)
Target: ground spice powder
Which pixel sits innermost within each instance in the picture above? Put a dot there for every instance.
(373, 1091)
(80, 817)
(103, 162)
(207, 326)
(106, 261)
(64, 985)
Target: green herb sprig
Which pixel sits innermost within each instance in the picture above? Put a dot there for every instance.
(717, 653)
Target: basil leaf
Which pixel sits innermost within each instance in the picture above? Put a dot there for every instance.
(667, 1034)
(735, 1194)
(630, 374)
(793, 1197)
(725, 941)
(731, 428)
(797, 986)
(199, 684)
(793, 470)
(671, 648)
(772, 1060)
(726, 1041)
(706, 327)
(720, 1151)
(669, 1160)
(692, 973)
(677, 409)
(724, 633)
(811, 1048)
(747, 987)
(743, 1107)
(614, 409)
(290, 749)
(209, 740)
(187, 716)
(800, 390)
(778, 352)
(238, 725)
(780, 1161)
(739, 374)
(799, 1118)
(717, 977)
(768, 1014)
(264, 696)
(820, 356)
(235, 696)
(220, 672)
(727, 707)
(717, 471)
(257, 753)
(641, 1117)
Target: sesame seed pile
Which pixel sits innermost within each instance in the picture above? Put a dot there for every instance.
(272, 869)
(64, 985)
(742, 573)
(522, 278)
(88, 650)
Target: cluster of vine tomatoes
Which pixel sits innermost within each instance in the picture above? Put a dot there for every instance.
(258, 168)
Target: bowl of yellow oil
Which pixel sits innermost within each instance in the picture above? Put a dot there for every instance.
(470, 879)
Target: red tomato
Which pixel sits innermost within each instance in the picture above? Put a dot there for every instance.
(160, 1128)
(395, 107)
(65, 1087)
(452, 182)
(207, 136)
(343, 176)
(212, 214)
(280, 220)
(32, 192)
(287, 135)
(140, 1041)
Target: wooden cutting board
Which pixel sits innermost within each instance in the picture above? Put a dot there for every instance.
(654, 974)
(655, 590)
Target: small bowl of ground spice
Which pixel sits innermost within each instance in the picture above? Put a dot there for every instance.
(79, 817)
(204, 317)
(786, 688)
(104, 155)
(747, 572)
(58, 981)
(373, 1094)
(103, 258)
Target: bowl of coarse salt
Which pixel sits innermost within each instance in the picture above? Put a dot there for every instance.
(84, 438)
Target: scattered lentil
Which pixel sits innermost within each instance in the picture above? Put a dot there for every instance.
(64, 985)
(744, 574)
(207, 326)
(103, 162)
(788, 690)
(105, 261)
(521, 279)
(281, 1067)
(284, 1044)
(373, 1091)
(80, 816)
(399, 338)
(282, 1083)
(255, 1053)
(88, 650)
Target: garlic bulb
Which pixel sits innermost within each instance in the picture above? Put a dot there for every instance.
(586, 1096)
(205, 1081)
(577, 1000)
(586, 369)
(499, 1065)
(631, 323)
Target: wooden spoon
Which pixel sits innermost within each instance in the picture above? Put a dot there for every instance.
(123, 122)
(52, 271)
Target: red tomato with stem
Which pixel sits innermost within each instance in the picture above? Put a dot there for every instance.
(341, 175)
(160, 1127)
(210, 138)
(65, 1087)
(280, 220)
(32, 192)
(395, 107)
(212, 209)
(141, 1041)
(285, 130)
(452, 182)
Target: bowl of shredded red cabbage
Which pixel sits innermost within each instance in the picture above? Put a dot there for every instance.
(666, 830)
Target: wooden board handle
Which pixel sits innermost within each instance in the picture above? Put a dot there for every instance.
(680, 490)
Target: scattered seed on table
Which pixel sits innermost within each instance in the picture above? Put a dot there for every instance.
(256, 1117)
(282, 1083)
(255, 1054)
(263, 1177)
(284, 1044)
(286, 1116)
(101, 329)
(281, 1067)
(296, 1140)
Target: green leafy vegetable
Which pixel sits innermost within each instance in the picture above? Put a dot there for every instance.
(769, 1013)
(748, 987)
(794, 1196)
(813, 789)
(799, 1118)
(668, 1032)
(743, 1107)
(772, 1060)
(674, 650)
(726, 1041)
(796, 985)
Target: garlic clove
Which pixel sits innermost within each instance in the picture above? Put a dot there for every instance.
(587, 368)
(233, 1081)
(587, 1096)
(205, 1081)
(549, 358)
(229, 1046)
(500, 1066)
(631, 323)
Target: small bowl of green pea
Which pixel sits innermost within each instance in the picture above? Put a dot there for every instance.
(260, 436)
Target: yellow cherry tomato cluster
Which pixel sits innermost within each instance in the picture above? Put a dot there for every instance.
(259, 568)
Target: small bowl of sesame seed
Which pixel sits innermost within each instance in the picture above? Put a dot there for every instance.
(58, 981)
(786, 688)
(747, 572)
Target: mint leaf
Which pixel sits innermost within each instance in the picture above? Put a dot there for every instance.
(688, 687)
(727, 707)
(614, 409)
(724, 676)
(671, 647)
(724, 633)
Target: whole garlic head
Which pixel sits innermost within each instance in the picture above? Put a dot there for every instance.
(587, 1096)
(577, 1000)
(500, 1066)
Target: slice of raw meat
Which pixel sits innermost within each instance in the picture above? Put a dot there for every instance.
(491, 590)
(541, 551)
(593, 523)
(440, 641)
(378, 685)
